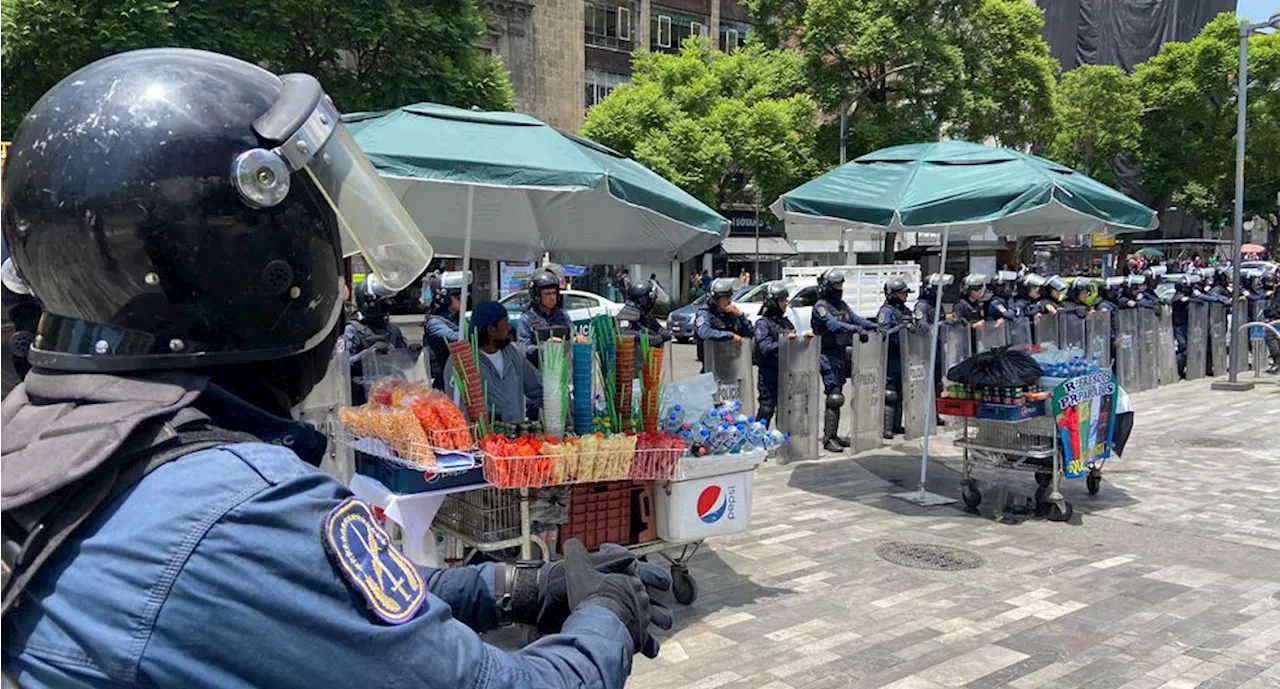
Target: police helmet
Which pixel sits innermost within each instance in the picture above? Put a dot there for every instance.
(895, 286)
(445, 286)
(372, 299)
(1056, 283)
(831, 284)
(773, 291)
(723, 287)
(542, 280)
(643, 294)
(177, 208)
(1033, 280)
(976, 282)
(1081, 285)
(936, 279)
(1135, 281)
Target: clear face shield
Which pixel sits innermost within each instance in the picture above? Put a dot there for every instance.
(308, 136)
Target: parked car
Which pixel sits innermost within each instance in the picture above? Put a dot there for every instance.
(582, 307)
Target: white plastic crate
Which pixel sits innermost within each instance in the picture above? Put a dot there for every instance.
(712, 498)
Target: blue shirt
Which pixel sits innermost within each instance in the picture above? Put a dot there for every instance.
(211, 572)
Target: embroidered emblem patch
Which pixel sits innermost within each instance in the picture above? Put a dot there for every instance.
(822, 310)
(364, 556)
(701, 319)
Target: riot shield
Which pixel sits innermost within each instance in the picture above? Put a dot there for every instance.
(1197, 339)
(913, 349)
(990, 336)
(1097, 337)
(1045, 329)
(1218, 335)
(320, 409)
(1257, 335)
(1070, 331)
(866, 392)
(1019, 331)
(730, 363)
(1167, 368)
(799, 398)
(956, 344)
(1152, 356)
(1126, 350)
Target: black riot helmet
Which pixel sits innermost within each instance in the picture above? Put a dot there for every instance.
(831, 285)
(642, 294)
(444, 287)
(897, 288)
(544, 279)
(773, 293)
(177, 208)
(373, 301)
(722, 287)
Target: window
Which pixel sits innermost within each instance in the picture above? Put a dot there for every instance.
(730, 40)
(664, 31)
(696, 29)
(670, 27)
(609, 26)
(732, 34)
(574, 302)
(600, 83)
(755, 296)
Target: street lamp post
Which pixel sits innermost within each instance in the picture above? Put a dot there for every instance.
(1242, 94)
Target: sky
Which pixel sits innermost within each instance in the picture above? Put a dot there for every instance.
(1257, 10)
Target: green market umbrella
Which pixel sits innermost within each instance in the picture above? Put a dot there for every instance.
(504, 185)
(965, 188)
(1150, 252)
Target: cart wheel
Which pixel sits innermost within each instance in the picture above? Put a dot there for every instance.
(1043, 480)
(683, 587)
(1060, 514)
(971, 495)
(1093, 482)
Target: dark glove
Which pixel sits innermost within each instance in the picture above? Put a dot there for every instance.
(415, 348)
(539, 593)
(381, 347)
(624, 595)
(863, 337)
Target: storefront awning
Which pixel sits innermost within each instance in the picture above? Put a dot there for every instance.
(745, 247)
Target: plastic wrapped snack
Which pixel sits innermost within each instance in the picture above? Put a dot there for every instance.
(396, 427)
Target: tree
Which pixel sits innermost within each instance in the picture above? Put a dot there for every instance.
(726, 127)
(914, 70)
(369, 54)
(1098, 119)
(1188, 147)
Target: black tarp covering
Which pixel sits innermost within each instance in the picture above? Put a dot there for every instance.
(1122, 32)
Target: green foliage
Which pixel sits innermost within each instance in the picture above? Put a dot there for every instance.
(369, 54)
(722, 126)
(1188, 125)
(917, 69)
(1099, 113)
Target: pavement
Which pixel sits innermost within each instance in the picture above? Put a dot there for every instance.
(1168, 578)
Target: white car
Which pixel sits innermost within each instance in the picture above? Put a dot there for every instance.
(582, 307)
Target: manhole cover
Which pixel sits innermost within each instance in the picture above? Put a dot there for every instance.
(928, 556)
(1210, 441)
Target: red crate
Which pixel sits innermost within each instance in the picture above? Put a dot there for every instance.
(954, 407)
(599, 513)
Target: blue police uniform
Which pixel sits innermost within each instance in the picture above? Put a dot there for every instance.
(1145, 300)
(967, 312)
(537, 326)
(892, 317)
(632, 322)
(836, 324)
(241, 566)
(999, 308)
(769, 333)
(1025, 307)
(923, 312)
(439, 331)
(716, 326)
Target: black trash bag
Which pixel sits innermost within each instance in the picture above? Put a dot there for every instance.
(1002, 367)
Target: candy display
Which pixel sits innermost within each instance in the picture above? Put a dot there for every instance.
(466, 372)
(651, 377)
(413, 420)
(533, 461)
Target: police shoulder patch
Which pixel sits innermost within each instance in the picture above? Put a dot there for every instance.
(362, 553)
(821, 309)
(701, 319)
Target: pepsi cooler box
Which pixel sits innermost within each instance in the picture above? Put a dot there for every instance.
(711, 496)
(399, 479)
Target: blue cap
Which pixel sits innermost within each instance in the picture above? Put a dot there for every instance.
(486, 313)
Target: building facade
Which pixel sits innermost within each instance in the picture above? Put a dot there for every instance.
(567, 55)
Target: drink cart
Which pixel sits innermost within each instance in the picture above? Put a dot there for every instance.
(1026, 445)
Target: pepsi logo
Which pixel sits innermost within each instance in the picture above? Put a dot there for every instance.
(712, 504)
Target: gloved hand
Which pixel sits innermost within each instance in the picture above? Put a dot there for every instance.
(863, 337)
(624, 595)
(539, 593)
(382, 347)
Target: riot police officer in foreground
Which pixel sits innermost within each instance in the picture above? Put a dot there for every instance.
(1053, 290)
(772, 328)
(178, 215)
(969, 310)
(637, 315)
(892, 318)
(1185, 292)
(1079, 293)
(720, 319)
(441, 326)
(545, 319)
(836, 324)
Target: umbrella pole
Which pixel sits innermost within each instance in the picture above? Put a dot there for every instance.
(921, 496)
(466, 258)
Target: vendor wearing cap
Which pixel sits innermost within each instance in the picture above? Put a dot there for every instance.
(507, 378)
